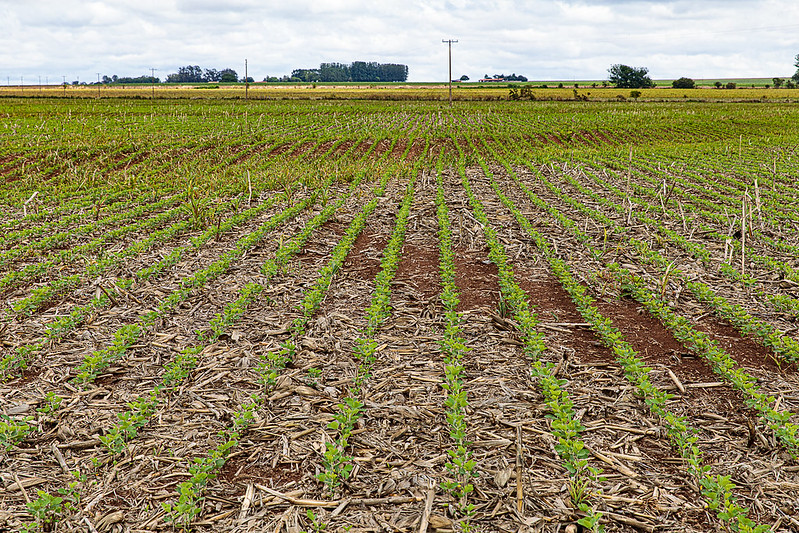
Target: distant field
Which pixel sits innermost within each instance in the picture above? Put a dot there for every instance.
(411, 91)
(701, 82)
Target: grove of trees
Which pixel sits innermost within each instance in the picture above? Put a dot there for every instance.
(126, 79)
(795, 76)
(359, 71)
(194, 74)
(506, 77)
(626, 77)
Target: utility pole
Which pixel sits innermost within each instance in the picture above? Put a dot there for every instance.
(98, 85)
(246, 81)
(65, 85)
(449, 43)
(152, 79)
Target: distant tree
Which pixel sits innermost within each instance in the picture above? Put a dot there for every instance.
(248, 79)
(795, 76)
(393, 72)
(188, 74)
(790, 84)
(212, 75)
(778, 82)
(464, 78)
(307, 75)
(335, 72)
(625, 77)
(228, 75)
(717, 85)
(731, 85)
(511, 77)
(683, 83)
(364, 71)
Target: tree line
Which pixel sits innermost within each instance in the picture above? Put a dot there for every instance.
(194, 74)
(626, 77)
(505, 77)
(357, 71)
(187, 74)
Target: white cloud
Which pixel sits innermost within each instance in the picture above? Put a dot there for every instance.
(566, 39)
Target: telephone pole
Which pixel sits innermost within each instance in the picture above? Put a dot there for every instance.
(449, 44)
(246, 80)
(152, 79)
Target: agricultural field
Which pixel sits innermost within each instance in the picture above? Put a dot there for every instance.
(425, 92)
(304, 316)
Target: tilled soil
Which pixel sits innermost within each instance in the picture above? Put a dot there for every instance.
(400, 444)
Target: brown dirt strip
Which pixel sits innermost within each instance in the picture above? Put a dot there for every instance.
(728, 418)
(304, 400)
(776, 379)
(617, 423)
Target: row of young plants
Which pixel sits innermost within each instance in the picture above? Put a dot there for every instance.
(17, 276)
(776, 206)
(336, 461)
(460, 465)
(700, 343)
(721, 362)
(203, 469)
(564, 425)
(783, 346)
(127, 335)
(777, 300)
(177, 371)
(725, 176)
(717, 490)
(109, 260)
(113, 213)
(63, 212)
(723, 216)
(22, 356)
(276, 361)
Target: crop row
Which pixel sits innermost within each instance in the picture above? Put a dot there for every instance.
(565, 426)
(205, 468)
(716, 489)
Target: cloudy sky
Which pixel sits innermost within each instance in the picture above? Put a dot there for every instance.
(543, 40)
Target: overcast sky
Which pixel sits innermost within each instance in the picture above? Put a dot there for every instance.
(543, 40)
